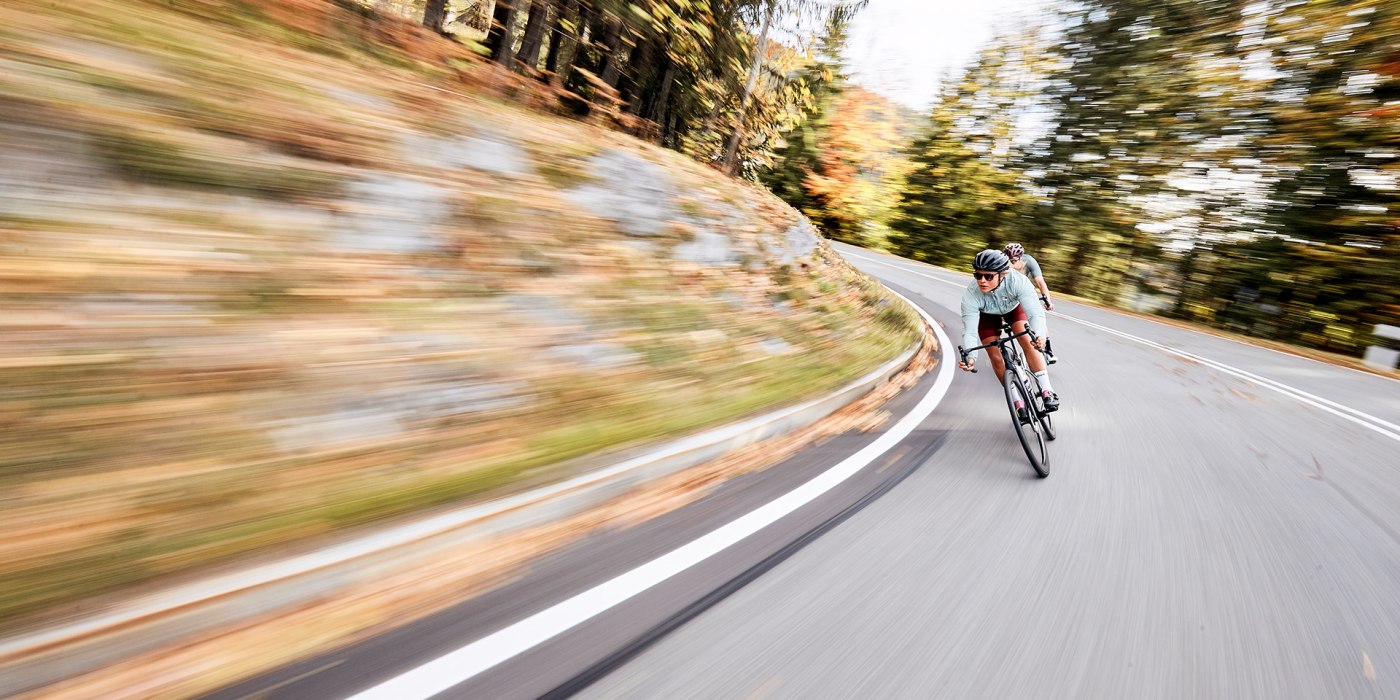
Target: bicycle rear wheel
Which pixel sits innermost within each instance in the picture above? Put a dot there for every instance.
(1028, 431)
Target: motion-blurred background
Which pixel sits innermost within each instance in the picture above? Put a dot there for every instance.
(272, 268)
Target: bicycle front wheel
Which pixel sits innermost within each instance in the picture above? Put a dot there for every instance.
(1047, 424)
(1027, 424)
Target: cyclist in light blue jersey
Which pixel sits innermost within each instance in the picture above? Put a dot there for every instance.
(996, 294)
(1023, 263)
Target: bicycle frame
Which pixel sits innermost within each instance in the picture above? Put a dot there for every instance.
(1022, 395)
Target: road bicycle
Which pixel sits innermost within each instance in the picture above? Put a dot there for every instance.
(1034, 425)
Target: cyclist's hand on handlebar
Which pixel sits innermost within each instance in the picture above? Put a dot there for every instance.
(1039, 343)
(1045, 301)
(967, 363)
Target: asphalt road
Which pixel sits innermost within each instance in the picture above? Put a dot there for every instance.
(1221, 521)
(1201, 535)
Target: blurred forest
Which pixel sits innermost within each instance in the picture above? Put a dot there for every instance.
(278, 267)
(720, 80)
(1225, 162)
(756, 88)
(275, 268)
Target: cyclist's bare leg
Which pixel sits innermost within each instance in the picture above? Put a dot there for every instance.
(1033, 356)
(994, 356)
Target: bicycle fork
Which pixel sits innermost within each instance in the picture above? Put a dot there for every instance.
(1018, 400)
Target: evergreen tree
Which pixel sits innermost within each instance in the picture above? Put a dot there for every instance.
(965, 188)
(799, 163)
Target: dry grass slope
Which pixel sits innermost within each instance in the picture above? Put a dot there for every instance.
(272, 269)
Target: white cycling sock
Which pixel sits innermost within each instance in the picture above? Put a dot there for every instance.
(1043, 376)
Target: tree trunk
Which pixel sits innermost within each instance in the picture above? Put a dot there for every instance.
(498, 39)
(530, 46)
(731, 152)
(657, 113)
(642, 78)
(556, 35)
(434, 14)
(670, 112)
(1186, 268)
(612, 47)
(583, 37)
(591, 29)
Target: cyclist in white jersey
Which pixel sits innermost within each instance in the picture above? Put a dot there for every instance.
(996, 295)
(1025, 264)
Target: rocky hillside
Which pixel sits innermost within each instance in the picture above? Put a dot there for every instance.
(272, 269)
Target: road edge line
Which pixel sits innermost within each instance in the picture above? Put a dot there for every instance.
(470, 660)
(1357, 416)
(24, 658)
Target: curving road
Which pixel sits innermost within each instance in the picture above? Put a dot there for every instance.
(1221, 521)
(1203, 534)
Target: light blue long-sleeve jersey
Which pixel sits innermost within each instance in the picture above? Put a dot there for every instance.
(1014, 289)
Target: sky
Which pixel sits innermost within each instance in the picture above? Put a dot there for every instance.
(901, 48)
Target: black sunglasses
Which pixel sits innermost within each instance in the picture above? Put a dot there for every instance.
(985, 275)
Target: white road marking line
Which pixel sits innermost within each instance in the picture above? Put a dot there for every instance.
(235, 582)
(1361, 418)
(465, 663)
(905, 268)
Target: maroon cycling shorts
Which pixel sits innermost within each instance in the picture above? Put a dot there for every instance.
(989, 325)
